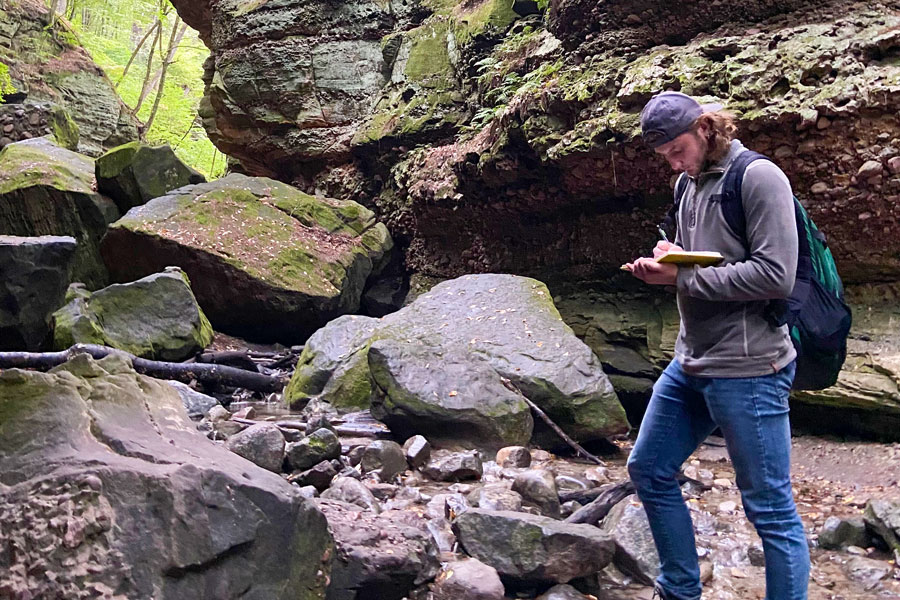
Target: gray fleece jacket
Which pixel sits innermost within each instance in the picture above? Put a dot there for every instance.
(724, 332)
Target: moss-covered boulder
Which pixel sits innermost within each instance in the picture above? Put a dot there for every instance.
(507, 325)
(134, 173)
(107, 489)
(156, 317)
(265, 260)
(48, 190)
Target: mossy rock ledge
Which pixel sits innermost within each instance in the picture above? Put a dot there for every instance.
(455, 364)
(266, 261)
(156, 317)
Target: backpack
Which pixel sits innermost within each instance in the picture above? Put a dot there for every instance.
(816, 315)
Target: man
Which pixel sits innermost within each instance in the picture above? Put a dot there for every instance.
(732, 368)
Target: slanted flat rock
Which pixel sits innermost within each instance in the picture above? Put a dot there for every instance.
(266, 260)
(34, 274)
(48, 190)
(103, 466)
(635, 551)
(156, 317)
(527, 547)
(510, 323)
(468, 579)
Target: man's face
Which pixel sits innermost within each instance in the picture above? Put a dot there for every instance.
(687, 152)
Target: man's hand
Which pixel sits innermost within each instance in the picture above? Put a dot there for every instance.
(649, 271)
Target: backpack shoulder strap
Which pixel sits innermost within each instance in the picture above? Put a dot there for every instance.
(732, 201)
(671, 220)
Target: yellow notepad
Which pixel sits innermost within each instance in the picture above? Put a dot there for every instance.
(683, 257)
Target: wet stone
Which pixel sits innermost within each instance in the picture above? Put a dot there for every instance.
(538, 487)
(320, 445)
(468, 580)
(837, 533)
(495, 496)
(514, 456)
(352, 491)
(319, 476)
(455, 466)
(417, 450)
(383, 458)
(261, 444)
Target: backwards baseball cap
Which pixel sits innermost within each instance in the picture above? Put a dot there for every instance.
(670, 114)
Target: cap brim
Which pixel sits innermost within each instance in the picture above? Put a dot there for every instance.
(708, 108)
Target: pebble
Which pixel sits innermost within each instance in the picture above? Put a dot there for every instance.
(728, 506)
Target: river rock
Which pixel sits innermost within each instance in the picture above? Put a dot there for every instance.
(134, 173)
(352, 491)
(883, 517)
(48, 190)
(533, 548)
(562, 592)
(509, 321)
(468, 579)
(320, 476)
(629, 528)
(156, 317)
(377, 557)
(261, 444)
(837, 533)
(514, 456)
(267, 261)
(383, 458)
(538, 487)
(320, 445)
(104, 465)
(417, 450)
(867, 571)
(196, 404)
(495, 496)
(34, 274)
(454, 466)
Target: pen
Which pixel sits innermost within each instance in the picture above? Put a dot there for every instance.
(662, 233)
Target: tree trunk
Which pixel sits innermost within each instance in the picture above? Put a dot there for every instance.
(145, 87)
(136, 50)
(174, 40)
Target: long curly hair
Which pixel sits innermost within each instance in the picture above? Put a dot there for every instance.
(722, 128)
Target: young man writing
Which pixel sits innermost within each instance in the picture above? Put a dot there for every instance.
(732, 368)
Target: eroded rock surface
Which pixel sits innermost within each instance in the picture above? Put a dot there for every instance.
(89, 448)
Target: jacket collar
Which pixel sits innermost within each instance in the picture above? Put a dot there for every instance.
(716, 169)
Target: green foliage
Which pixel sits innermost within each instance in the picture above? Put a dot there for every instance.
(110, 30)
(6, 84)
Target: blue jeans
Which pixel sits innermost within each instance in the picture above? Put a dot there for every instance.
(752, 413)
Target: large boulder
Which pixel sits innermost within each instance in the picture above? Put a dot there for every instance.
(134, 173)
(48, 190)
(34, 274)
(635, 550)
(156, 317)
(266, 261)
(883, 518)
(531, 548)
(519, 345)
(106, 488)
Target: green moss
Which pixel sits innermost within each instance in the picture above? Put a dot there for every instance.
(117, 160)
(428, 63)
(6, 84)
(489, 16)
(65, 130)
(41, 163)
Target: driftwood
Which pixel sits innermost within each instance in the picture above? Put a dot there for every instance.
(358, 430)
(230, 358)
(185, 372)
(607, 497)
(556, 429)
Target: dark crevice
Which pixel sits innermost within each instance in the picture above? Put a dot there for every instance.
(178, 572)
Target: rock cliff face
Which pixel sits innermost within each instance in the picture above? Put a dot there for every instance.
(49, 70)
(490, 141)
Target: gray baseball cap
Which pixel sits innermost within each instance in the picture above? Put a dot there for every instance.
(669, 114)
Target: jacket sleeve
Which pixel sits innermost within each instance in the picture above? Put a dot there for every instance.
(769, 272)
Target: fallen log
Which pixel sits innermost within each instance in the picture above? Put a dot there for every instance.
(607, 497)
(184, 372)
